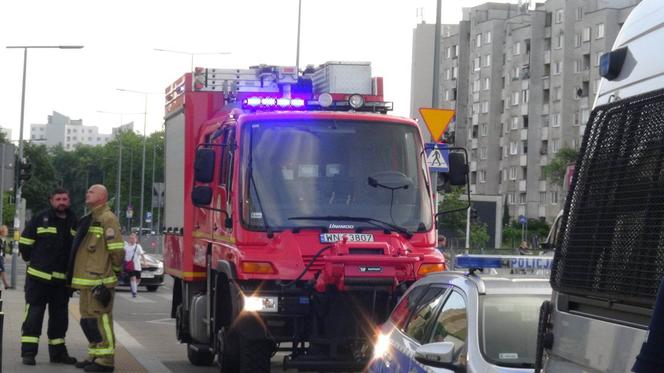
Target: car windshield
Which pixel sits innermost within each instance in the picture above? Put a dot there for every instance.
(509, 328)
(326, 168)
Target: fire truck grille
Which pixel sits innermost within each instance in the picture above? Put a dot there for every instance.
(316, 266)
(611, 243)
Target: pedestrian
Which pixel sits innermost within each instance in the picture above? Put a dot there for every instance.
(45, 245)
(523, 248)
(96, 260)
(3, 246)
(134, 256)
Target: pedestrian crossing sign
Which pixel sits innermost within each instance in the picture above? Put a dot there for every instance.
(438, 156)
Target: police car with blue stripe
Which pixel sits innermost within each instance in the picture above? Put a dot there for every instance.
(474, 321)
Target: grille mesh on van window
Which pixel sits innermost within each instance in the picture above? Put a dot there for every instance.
(611, 244)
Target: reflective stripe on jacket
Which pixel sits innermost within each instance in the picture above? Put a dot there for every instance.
(99, 251)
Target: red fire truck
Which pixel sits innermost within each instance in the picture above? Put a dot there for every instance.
(296, 214)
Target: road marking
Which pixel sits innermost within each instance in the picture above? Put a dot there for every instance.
(167, 321)
(138, 299)
(138, 351)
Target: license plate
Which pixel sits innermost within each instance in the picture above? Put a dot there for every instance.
(147, 275)
(352, 237)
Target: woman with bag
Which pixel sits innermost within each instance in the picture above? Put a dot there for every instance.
(134, 256)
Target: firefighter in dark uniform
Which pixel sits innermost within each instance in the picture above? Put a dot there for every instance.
(96, 259)
(45, 244)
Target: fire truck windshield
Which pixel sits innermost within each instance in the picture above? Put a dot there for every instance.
(300, 168)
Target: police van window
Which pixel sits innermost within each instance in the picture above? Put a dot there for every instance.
(452, 323)
(420, 323)
(406, 306)
(226, 163)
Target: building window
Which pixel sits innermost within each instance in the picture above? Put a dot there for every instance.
(483, 152)
(484, 107)
(448, 76)
(448, 52)
(515, 123)
(482, 176)
(484, 130)
(513, 172)
(522, 198)
(487, 84)
(586, 34)
(515, 98)
(514, 149)
(557, 67)
(510, 199)
(487, 60)
(89, 138)
(476, 64)
(559, 16)
(555, 145)
(555, 120)
(600, 30)
(560, 40)
(516, 48)
(455, 72)
(476, 85)
(557, 93)
(554, 197)
(542, 197)
(487, 37)
(525, 95)
(68, 130)
(478, 40)
(579, 14)
(577, 40)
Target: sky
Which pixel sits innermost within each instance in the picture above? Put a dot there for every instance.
(119, 38)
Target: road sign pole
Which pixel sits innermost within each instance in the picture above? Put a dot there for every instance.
(467, 231)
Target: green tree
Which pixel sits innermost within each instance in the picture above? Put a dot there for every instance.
(454, 224)
(555, 170)
(42, 181)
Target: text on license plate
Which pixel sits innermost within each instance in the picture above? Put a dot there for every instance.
(352, 237)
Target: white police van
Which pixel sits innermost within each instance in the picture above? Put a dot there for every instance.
(609, 252)
(467, 322)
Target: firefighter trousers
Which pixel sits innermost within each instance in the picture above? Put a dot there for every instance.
(97, 325)
(39, 295)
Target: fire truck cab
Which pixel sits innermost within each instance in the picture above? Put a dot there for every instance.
(296, 214)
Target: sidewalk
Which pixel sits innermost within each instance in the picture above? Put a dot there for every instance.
(13, 308)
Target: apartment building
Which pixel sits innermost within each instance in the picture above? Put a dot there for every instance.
(62, 130)
(522, 81)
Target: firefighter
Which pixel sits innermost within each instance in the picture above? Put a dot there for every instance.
(45, 245)
(95, 261)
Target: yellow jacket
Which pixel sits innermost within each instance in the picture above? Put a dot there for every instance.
(99, 255)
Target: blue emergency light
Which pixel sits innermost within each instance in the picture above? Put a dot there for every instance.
(473, 261)
(269, 102)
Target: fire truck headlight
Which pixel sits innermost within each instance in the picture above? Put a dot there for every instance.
(381, 346)
(356, 101)
(325, 100)
(261, 304)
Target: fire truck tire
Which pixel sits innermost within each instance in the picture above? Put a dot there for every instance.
(199, 356)
(255, 355)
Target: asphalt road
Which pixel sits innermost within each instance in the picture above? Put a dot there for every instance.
(146, 319)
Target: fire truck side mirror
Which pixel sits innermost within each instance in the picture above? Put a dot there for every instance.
(458, 174)
(204, 165)
(201, 195)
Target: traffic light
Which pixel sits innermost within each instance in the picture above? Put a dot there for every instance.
(473, 214)
(24, 171)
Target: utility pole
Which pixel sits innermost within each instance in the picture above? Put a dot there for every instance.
(299, 19)
(154, 156)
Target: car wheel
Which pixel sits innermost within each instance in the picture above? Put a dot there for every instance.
(152, 288)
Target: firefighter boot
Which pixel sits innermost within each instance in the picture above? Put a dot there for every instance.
(94, 367)
(59, 354)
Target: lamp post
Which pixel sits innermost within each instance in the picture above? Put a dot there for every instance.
(192, 54)
(145, 121)
(19, 186)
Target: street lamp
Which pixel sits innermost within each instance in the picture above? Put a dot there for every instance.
(145, 121)
(118, 184)
(20, 144)
(192, 54)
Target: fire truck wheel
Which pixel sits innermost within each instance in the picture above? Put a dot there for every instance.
(227, 355)
(199, 356)
(255, 355)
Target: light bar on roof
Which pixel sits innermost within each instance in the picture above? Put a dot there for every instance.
(269, 102)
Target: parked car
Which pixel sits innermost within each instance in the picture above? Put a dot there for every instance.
(146, 231)
(467, 322)
(152, 274)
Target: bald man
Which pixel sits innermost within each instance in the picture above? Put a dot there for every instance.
(97, 252)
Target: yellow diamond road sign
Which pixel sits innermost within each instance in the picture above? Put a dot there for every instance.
(437, 121)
